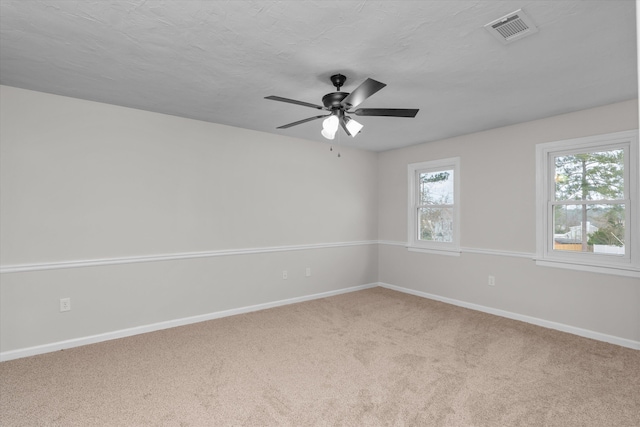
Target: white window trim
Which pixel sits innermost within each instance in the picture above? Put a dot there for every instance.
(629, 265)
(442, 248)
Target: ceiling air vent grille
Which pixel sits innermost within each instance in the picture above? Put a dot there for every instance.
(512, 27)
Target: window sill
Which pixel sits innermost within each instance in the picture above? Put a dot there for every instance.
(626, 270)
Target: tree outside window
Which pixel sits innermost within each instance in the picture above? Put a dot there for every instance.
(436, 206)
(588, 206)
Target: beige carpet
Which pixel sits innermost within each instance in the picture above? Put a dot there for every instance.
(368, 358)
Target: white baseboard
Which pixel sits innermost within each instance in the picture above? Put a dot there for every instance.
(77, 342)
(122, 333)
(624, 342)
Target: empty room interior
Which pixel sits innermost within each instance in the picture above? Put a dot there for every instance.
(319, 213)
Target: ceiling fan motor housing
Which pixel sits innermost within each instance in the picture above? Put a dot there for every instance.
(332, 100)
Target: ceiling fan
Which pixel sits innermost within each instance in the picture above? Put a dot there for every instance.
(340, 104)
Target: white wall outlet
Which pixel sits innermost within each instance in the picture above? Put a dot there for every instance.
(285, 274)
(65, 304)
(492, 281)
(308, 273)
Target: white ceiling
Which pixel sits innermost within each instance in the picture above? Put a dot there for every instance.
(217, 60)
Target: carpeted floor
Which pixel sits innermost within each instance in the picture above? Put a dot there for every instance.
(369, 358)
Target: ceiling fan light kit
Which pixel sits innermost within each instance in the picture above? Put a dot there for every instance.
(330, 127)
(352, 126)
(339, 104)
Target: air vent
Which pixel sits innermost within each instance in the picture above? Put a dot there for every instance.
(512, 27)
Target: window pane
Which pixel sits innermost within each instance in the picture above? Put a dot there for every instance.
(589, 228)
(435, 224)
(590, 176)
(436, 188)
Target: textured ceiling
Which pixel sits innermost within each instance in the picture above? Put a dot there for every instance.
(217, 60)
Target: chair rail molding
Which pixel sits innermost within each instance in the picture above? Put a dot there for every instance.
(19, 268)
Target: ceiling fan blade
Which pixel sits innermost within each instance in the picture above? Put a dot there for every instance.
(389, 112)
(362, 92)
(299, 122)
(293, 101)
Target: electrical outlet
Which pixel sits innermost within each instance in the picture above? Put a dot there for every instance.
(308, 273)
(492, 281)
(284, 275)
(65, 304)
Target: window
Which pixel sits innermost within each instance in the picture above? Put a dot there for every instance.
(587, 204)
(434, 189)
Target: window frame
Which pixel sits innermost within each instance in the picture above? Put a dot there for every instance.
(629, 263)
(414, 244)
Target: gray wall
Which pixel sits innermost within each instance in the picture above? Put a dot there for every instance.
(498, 229)
(84, 181)
(221, 211)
